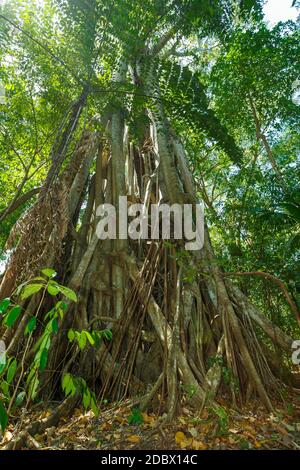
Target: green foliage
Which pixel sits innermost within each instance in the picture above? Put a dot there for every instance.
(3, 417)
(14, 385)
(30, 289)
(187, 103)
(4, 304)
(31, 325)
(135, 417)
(77, 385)
(11, 371)
(227, 375)
(251, 213)
(85, 337)
(12, 315)
(189, 270)
(223, 420)
(244, 444)
(241, 73)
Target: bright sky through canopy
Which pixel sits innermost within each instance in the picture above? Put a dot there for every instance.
(280, 10)
(274, 10)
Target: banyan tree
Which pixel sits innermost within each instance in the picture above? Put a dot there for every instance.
(169, 320)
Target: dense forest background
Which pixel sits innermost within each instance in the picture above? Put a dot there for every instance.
(83, 83)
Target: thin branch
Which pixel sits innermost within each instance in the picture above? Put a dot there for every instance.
(17, 203)
(261, 137)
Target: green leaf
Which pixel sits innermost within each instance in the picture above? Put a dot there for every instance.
(68, 293)
(94, 406)
(107, 334)
(61, 305)
(53, 290)
(55, 326)
(12, 316)
(51, 313)
(19, 398)
(97, 338)
(2, 363)
(3, 417)
(65, 381)
(86, 399)
(71, 335)
(68, 385)
(43, 359)
(81, 338)
(31, 374)
(11, 371)
(49, 272)
(135, 417)
(31, 325)
(5, 389)
(46, 341)
(4, 304)
(90, 338)
(3, 360)
(30, 289)
(61, 308)
(33, 386)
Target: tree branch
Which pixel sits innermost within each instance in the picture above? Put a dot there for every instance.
(17, 203)
(164, 40)
(277, 281)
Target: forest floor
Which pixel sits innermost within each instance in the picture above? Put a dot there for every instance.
(120, 427)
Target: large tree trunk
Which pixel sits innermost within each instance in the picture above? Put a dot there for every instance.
(169, 333)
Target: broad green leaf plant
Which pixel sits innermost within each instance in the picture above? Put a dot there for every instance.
(19, 386)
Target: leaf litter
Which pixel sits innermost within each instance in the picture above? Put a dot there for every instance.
(121, 426)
